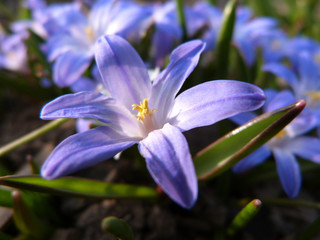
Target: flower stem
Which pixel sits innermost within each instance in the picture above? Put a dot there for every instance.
(182, 19)
(31, 136)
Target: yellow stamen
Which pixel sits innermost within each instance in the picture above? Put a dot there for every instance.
(280, 134)
(317, 58)
(313, 95)
(276, 45)
(143, 109)
(89, 32)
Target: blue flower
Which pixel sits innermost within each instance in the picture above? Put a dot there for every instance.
(168, 31)
(214, 18)
(273, 45)
(246, 33)
(72, 47)
(146, 113)
(304, 81)
(285, 145)
(13, 53)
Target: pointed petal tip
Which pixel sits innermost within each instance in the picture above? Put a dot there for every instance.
(42, 114)
(190, 203)
(293, 194)
(46, 175)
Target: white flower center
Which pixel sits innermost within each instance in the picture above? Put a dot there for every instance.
(144, 116)
(90, 33)
(277, 140)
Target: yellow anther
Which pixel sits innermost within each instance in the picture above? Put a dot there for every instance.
(276, 45)
(281, 134)
(89, 31)
(317, 58)
(313, 95)
(143, 109)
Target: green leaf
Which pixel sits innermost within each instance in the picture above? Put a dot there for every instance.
(244, 216)
(43, 205)
(117, 228)
(5, 198)
(78, 187)
(230, 149)
(222, 51)
(26, 220)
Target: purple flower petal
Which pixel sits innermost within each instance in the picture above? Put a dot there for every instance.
(59, 44)
(84, 124)
(84, 84)
(101, 14)
(279, 100)
(69, 67)
(305, 147)
(130, 21)
(223, 99)
(170, 164)
(243, 118)
(282, 72)
(123, 72)
(83, 150)
(252, 160)
(182, 62)
(305, 122)
(288, 171)
(309, 73)
(246, 49)
(162, 44)
(194, 21)
(92, 105)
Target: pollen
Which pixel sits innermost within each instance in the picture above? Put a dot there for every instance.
(313, 95)
(276, 45)
(143, 110)
(281, 134)
(89, 31)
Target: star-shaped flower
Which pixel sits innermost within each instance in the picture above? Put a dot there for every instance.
(146, 113)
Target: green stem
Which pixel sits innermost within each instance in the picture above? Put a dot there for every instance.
(213, 2)
(31, 136)
(182, 19)
(290, 203)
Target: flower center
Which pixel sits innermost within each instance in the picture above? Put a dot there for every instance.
(143, 110)
(317, 58)
(278, 139)
(313, 99)
(89, 31)
(280, 134)
(313, 95)
(276, 45)
(144, 117)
